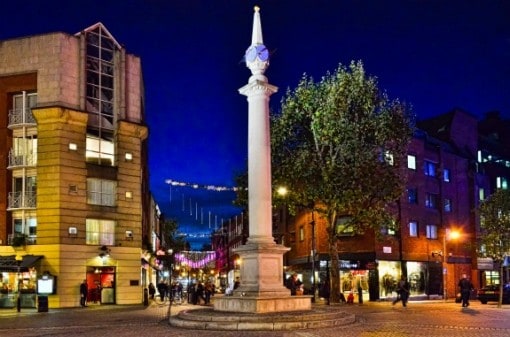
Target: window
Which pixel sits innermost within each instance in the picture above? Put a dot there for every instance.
(100, 232)
(502, 183)
(430, 168)
(447, 175)
(101, 192)
(301, 233)
(100, 72)
(413, 228)
(99, 151)
(447, 205)
(388, 158)
(412, 195)
(431, 232)
(411, 162)
(481, 194)
(343, 227)
(431, 200)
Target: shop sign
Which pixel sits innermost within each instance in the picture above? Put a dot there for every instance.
(346, 264)
(485, 263)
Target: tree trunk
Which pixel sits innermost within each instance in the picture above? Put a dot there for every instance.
(334, 269)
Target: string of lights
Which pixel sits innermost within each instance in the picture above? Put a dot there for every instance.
(201, 186)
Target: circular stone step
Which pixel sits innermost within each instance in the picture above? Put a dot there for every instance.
(208, 319)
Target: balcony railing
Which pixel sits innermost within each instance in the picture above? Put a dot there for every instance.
(18, 200)
(23, 239)
(17, 160)
(20, 117)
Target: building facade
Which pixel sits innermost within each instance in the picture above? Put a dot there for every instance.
(73, 179)
(434, 242)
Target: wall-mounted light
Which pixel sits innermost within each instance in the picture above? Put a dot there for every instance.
(129, 156)
(129, 234)
(73, 146)
(73, 231)
(129, 195)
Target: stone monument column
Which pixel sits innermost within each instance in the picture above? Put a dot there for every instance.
(262, 285)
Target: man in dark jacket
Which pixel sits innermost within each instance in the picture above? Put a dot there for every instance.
(84, 291)
(402, 291)
(465, 287)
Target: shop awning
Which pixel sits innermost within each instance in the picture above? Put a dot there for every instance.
(9, 263)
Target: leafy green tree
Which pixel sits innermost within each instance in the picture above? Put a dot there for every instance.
(494, 238)
(339, 145)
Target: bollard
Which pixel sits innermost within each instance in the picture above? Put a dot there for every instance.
(145, 297)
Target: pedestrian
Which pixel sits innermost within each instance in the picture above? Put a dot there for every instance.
(152, 290)
(465, 287)
(84, 291)
(294, 284)
(402, 291)
(237, 283)
(162, 289)
(360, 291)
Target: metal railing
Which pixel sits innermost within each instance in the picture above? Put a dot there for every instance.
(17, 160)
(17, 200)
(21, 117)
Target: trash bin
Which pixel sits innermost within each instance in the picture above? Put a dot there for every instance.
(42, 303)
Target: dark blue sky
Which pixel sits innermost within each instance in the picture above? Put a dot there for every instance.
(433, 54)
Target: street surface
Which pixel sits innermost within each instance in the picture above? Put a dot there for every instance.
(373, 319)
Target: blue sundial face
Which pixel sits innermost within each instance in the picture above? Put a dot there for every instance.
(251, 54)
(262, 52)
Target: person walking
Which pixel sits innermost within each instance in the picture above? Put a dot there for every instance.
(84, 291)
(402, 291)
(465, 287)
(152, 290)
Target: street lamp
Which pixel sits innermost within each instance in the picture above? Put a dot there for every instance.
(19, 258)
(452, 235)
(169, 254)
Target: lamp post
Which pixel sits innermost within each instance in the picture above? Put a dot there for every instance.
(452, 235)
(19, 258)
(313, 257)
(169, 256)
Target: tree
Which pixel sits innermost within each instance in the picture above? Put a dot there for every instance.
(339, 145)
(494, 237)
(170, 237)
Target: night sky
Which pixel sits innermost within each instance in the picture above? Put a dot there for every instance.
(433, 54)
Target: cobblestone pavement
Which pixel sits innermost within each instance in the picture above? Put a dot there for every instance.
(373, 319)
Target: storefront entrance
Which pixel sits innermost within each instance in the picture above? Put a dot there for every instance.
(101, 285)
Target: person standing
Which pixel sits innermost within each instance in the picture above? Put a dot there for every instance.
(294, 284)
(360, 291)
(152, 290)
(402, 291)
(84, 290)
(465, 290)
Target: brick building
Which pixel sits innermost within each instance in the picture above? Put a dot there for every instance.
(435, 240)
(73, 174)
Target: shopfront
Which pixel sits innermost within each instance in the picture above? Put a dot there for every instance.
(18, 278)
(101, 285)
(359, 276)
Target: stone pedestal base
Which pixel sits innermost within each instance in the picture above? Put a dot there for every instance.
(262, 304)
(262, 287)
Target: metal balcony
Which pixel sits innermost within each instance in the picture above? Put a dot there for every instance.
(19, 200)
(18, 161)
(19, 118)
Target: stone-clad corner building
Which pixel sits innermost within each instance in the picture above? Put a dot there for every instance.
(73, 169)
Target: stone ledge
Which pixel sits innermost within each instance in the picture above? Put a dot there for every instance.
(209, 319)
